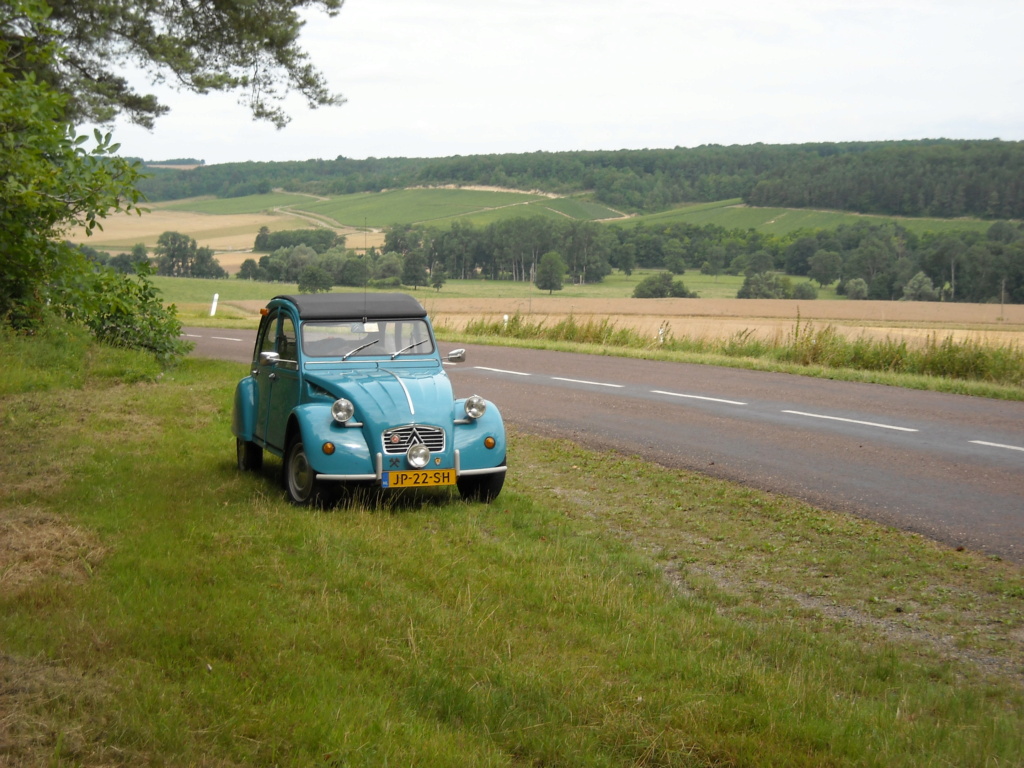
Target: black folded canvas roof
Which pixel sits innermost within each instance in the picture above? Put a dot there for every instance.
(348, 306)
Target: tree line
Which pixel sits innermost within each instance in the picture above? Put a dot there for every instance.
(864, 260)
(940, 178)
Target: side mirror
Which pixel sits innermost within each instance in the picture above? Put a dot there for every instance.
(456, 356)
(269, 358)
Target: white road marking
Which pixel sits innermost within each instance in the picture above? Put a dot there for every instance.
(499, 370)
(192, 335)
(851, 421)
(697, 397)
(582, 381)
(998, 445)
(224, 338)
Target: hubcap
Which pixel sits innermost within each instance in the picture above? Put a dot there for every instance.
(300, 475)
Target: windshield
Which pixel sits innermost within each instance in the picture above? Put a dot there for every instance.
(354, 338)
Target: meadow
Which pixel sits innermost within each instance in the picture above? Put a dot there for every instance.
(162, 608)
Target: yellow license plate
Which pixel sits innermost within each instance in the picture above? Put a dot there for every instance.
(418, 478)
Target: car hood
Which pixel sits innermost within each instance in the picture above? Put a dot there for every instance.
(388, 397)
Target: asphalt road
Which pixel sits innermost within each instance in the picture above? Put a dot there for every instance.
(946, 466)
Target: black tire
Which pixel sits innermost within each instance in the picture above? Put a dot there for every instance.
(483, 488)
(299, 478)
(250, 455)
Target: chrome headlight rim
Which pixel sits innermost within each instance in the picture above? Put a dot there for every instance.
(418, 456)
(475, 407)
(342, 410)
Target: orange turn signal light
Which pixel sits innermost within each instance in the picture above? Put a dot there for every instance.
(489, 442)
(328, 449)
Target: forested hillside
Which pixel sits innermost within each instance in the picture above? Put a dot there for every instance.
(942, 178)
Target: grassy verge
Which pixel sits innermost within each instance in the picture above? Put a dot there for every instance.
(160, 608)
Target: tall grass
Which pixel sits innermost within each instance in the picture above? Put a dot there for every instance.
(806, 345)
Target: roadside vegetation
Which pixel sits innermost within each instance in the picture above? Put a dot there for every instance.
(162, 608)
(940, 364)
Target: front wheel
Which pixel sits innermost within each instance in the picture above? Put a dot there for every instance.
(300, 478)
(483, 488)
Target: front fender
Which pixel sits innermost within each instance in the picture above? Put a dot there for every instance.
(243, 414)
(313, 421)
(469, 438)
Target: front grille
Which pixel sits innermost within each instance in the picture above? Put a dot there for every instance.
(398, 439)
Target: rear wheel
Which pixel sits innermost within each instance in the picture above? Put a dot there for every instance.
(300, 478)
(250, 455)
(483, 488)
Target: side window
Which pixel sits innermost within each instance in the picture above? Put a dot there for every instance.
(267, 331)
(286, 344)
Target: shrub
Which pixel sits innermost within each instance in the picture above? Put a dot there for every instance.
(805, 291)
(661, 286)
(763, 285)
(121, 310)
(856, 289)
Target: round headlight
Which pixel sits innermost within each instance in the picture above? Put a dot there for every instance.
(342, 410)
(418, 455)
(475, 406)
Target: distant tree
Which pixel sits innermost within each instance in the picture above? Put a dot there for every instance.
(249, 270)
(798, 255)
(355, 272)
(127, 263)
(414, 270)
(205, 265)
(389, 265)
(320, 240)
(625, 258)
(177, 255)
(674, 256)
(438, 278)
(919, 288)
(550, 272)
(763, 285)
(856, 289)
(314, 279)
(825, 267)
(759, 262)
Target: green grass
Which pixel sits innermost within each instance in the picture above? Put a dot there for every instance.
(733, 214)
(413, 205)
(439, 207)
(615, 286)
(161, 608)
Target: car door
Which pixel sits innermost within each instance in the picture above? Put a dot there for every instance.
(264, 372)
(284, 386)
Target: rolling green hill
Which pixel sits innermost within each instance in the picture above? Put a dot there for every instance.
(440, 207)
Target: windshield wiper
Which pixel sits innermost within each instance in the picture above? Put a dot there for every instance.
(347, 355)
(406, 349)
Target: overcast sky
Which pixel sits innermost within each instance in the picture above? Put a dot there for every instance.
(462, 77)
